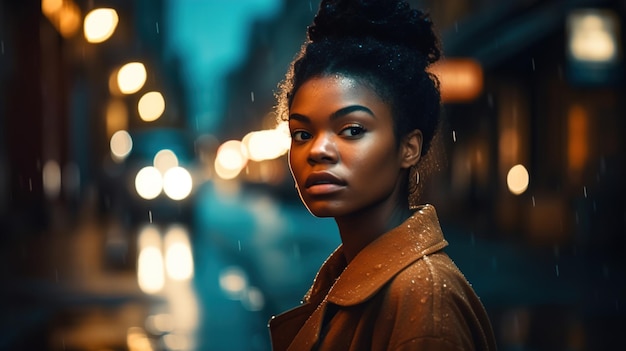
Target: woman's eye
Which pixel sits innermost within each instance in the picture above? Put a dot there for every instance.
(353, 131)
(300, 135)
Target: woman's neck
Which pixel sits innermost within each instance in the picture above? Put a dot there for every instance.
(360, 229)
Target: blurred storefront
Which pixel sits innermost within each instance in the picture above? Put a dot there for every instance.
(142, 210)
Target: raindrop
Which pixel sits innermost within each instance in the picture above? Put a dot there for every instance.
(454, 135)
(556, 251)
(533, 197)
(150, 216)
(252, 96)
(239, 245)
(490, 100)
(157, 27)
(30, 184)
(533, 62)
(585, 191)
(456, 27)
(311, 6)
(556, 267)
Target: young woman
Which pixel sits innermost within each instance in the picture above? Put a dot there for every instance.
(362, 111)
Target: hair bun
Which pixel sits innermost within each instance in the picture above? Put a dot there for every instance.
(392, 21)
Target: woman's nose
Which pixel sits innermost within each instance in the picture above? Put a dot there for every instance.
(323, 149)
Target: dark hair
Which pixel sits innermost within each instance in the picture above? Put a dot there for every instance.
(382, 43)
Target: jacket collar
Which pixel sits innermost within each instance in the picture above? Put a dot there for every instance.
(378, 262)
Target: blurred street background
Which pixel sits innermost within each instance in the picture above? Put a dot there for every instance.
(146, 201)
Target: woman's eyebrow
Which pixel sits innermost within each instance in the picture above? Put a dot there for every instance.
(299, 117)
(337, 114)
(349, 109)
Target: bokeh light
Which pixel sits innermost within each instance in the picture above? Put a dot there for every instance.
(178, 256)
(592, 36)
(177, 183)
(151, 106)
(231, 159)
(266, 144)
(131, 77)
(164, 160)
(517, 179)
(100, 24)
(150, 274)
(52, 179)
(121, 145)
(149, 183)
(234, 282)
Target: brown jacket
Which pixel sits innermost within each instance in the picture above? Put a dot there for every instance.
(401, 292)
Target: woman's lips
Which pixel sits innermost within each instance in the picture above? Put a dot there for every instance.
(321, 183)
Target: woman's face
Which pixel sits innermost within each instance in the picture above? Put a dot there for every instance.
(344, 156)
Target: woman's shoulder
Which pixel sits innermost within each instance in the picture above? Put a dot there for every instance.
(434, 280)
(429, 271)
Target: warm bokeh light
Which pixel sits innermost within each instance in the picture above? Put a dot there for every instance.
(116, 116)
(51, 179)
(517, 179)
(137, 340)
(151, 106)
(121, 145)
(149, 183)
(266, 144)
(50, 7)
(230, 159)
(150, 274)
(234, 282)
(177, 183)
(460, 79)
(178, 256)
(164, 160)
(63, 14)
(150, 270)
(131, 77)
(592, 35)
(577, 138)
(100, 24)
(69, 19)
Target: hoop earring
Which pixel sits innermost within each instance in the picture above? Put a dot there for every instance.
(414, 180)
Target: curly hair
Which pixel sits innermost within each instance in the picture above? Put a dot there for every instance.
(382, 43)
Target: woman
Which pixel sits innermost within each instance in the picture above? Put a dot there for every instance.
(362, 112)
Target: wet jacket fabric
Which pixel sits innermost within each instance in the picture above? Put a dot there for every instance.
(401, 292)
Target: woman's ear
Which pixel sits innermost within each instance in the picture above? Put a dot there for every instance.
(411, 148)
